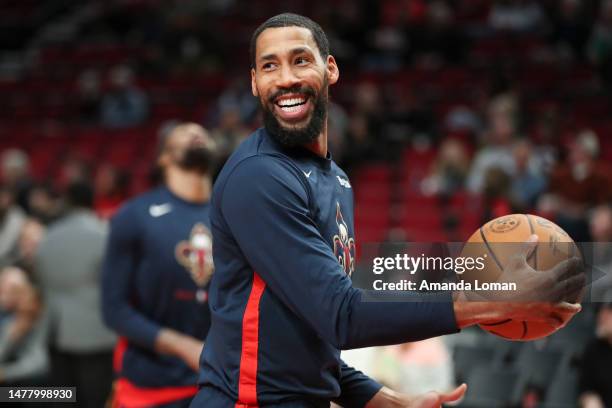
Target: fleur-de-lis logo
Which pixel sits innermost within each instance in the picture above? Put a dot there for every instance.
(344, 245)
(196, 254)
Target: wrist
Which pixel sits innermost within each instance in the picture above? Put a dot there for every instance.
(169, 342)
(471, 313)
(387, 398)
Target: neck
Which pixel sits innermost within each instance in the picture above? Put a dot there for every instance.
(319, 146)
(189, 185)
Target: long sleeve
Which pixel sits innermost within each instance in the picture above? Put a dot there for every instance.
(120, 263)
(356, 388)
(265, 204)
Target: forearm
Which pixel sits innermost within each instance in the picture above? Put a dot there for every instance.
(376, 319)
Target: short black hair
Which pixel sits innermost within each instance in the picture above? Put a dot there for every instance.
(292, 20)
(79, 194)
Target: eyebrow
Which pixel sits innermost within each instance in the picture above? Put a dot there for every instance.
(295, 51)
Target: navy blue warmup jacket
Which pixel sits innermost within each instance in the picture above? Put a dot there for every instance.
(156, 271)
(282, 304)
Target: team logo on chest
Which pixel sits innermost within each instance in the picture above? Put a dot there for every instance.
(196, 254)
(344, 245)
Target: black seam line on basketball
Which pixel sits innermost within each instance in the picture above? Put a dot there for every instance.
(524, 329)
(496, 323)
(484, 239)
(535, 251)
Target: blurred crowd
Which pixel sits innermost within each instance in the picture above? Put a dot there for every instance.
(507, 101)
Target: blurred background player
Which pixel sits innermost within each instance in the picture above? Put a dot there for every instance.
(68, 266)
(156, 271)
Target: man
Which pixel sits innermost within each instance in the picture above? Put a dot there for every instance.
(595, 381)
(67, 266)
(282, 304)
(155, 277)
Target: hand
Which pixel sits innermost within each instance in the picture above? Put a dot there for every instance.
(180, 345)
(387, 398)
(556, 315)
(564, 282)
(541, 296)
(189, 352)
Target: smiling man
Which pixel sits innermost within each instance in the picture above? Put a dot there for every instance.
(282, 303)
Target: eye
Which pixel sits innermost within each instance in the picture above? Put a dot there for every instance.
(301, 60)
(267, 66)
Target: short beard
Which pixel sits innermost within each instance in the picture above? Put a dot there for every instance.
(196, 158)
(292, 138)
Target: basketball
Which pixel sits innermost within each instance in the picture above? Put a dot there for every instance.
(499, 240)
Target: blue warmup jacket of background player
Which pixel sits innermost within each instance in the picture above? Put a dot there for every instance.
(281, 299)
(156, 270)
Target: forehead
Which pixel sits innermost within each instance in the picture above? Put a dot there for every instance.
(281, 39)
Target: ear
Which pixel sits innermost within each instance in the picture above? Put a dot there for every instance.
(254, 83)
(162, 160)
(333, 73)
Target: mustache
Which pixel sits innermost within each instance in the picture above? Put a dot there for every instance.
(306, 90)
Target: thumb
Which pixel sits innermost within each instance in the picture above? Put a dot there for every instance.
(455, 394)
(434, 399)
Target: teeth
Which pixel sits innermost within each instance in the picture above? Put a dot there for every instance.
(290, 102)
(290, 108)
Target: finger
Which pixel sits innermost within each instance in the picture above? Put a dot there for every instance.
(567, 268)
(455, 394)
(564, 290)
(529, 246)
(567, 307)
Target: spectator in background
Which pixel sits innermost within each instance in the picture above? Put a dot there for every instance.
(496, 194)
(571, 28)
(89, 96)
(337, 125)
(230, 131)
(579, 184)
(502, 115)
(24, 358)
(520, 16)
(123, 105)
(600, 43)
(44, 203)
(595, 380)
(73, 169)
(68, 266)
(110, 186)
(527, 184)
(12, 219)
(15, 173)
(238, 95)
(449, 170)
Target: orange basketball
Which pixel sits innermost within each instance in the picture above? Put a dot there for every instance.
(500, 239)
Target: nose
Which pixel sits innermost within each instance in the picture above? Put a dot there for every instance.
(287, 77)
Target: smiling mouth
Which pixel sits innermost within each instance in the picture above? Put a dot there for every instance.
(291, 104)
(292, 107)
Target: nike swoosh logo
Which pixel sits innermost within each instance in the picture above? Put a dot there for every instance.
(159, 210)
(307, 174)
